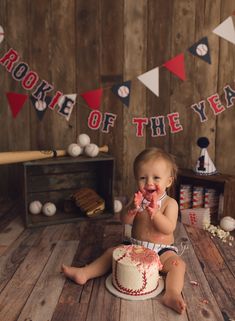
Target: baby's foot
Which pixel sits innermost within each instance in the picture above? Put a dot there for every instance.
(175, 302)
(78, 275)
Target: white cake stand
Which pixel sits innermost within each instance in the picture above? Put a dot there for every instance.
(113, 290)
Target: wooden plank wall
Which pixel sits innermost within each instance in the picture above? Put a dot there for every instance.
(80, 45)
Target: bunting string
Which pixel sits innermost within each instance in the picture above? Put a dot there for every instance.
(64, 103)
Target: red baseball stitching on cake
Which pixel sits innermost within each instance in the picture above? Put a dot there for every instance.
(133, 292)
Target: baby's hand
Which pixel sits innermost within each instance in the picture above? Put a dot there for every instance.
(153, 206)
(138, 198)
(132, 212)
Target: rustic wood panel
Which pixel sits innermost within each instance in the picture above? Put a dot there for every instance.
(182, 35)
(64, 74)
(135, 36)
(40, 47)
(31, 283)
(20, 286)
(100, 43)
(111, 69)
(225, 129)
(218, 274)
(15, 133)
(87, 31)
(205, 77)
(10, 234)
(16, 254)
(41, 302)
(4, 114)
(197, 308)
(159, 51)
(74, 299)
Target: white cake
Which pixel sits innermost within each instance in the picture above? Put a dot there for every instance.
(135, 270)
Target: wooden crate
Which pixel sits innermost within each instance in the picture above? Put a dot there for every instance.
(54, 180)
(224, 184)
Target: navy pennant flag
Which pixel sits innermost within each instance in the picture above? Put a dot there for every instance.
(201, 49)
(40, 106)
(123, 91)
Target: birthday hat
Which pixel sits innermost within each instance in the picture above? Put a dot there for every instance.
(204, 165)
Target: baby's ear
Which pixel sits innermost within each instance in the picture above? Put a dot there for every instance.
(170, 181)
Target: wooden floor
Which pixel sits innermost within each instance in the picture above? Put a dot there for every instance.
(32, 288)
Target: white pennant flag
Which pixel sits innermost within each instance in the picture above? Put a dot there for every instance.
(66, 104)
(226, 30)
(151, 80)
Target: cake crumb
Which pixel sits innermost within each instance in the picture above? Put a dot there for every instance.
(194, 283)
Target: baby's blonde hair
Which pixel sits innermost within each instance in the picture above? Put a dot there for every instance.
(154, 153)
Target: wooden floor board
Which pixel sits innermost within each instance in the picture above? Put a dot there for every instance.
(32, 287)
(16, 253)
(11, 232)
(216, 271)
(42, 301)
(200, 299)
(16, 292)
(102, 306)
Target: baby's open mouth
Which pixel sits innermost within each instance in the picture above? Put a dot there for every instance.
(150, 191)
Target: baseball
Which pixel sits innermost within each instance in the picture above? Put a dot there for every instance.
(49, 209)
(202, 49)
(35, 207)
(227, 223)
(123, 91)
(92, 150)
(40, 105)
(74, 150)
(117, 206)
(83, 140)
(1, 34)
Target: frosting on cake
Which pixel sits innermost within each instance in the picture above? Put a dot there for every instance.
(135, 270)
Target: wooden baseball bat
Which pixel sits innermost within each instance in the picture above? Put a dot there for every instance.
(104, 149)
(23, 156)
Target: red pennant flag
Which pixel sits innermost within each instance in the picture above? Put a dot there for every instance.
(176, 66)
(93, 98)
(16, 102)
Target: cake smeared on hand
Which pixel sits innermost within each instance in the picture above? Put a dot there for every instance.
(153, 206)
(138, 199)
(146, 199)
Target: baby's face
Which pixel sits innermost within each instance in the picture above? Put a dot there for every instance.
(154, 176)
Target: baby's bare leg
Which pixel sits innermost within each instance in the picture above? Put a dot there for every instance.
(174, 266)
(95, 269)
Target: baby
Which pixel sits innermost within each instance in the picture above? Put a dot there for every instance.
(153, 216)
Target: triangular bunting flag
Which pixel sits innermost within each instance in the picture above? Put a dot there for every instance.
(16, 102)
(151, 80)
(226, 30)
(66, 104)
(201, 49)
(123, 91)
(1, 34)
(93, 98)
(40, 106)
(176, 66)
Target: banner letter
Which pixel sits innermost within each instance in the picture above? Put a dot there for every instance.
(229, 95)
(140, 125)
(9, 59)
(158, 126)
(174, 122)
(215, 104)
(200, 110)
(94, 119)
(108, 121)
